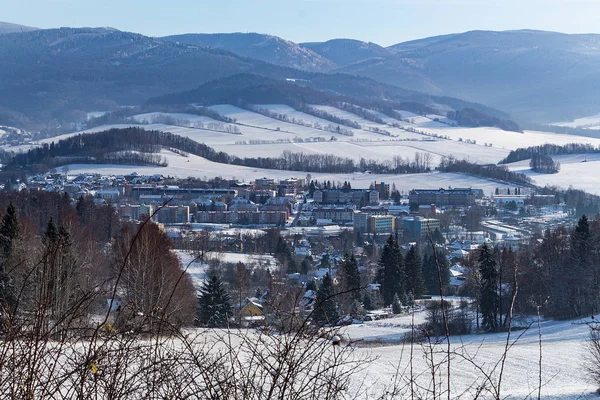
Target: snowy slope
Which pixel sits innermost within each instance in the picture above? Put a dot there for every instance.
(563, 351)
(591, 122)
(581, 171)
(183, 167)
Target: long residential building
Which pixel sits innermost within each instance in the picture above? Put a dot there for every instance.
(243, 217)
(444, 197)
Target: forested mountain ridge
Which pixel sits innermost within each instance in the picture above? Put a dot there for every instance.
(58, 74)
(536, 75)
(347, 51)
(53, 77)
(268, 48)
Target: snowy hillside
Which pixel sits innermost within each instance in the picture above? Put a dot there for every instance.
(563, 353)
(581, 171)
(271, 129)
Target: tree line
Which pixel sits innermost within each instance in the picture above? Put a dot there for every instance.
(473, 118)
(525, 153)
(490, 171)
(96, 147)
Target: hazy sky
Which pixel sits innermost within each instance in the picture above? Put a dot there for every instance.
(382, 21)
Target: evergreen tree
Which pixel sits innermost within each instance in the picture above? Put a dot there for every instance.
(325, 263)
(9, 232)
(349, 276)
(305, 265)
(391, 274)
(414, 273)
(214, 303)
(438, 237)
(367, 302)
(325, 306)
(489, 302)
(580, 283)
(430, 273)
(396, 305)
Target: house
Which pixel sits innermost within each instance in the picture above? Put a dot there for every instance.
(251, 312)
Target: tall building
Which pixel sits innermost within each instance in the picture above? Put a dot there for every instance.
(419, 227)
(379, 224)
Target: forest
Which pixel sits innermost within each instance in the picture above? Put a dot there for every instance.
(525, 153)
(490, 171)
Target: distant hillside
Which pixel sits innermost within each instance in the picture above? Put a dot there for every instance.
(419, 43)
(347, 51)
(266, 48)
(538, 76)
(52, 78)
(244, 89)
(58, 74)
(7, 27)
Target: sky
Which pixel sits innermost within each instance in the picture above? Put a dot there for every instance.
(385, 22)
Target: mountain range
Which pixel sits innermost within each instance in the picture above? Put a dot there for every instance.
(53, 76)
(534, 75)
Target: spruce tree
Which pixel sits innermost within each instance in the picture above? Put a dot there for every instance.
(391, 274)
(430, 273)
(396, 305)
(580, 283)
(214, 303)
(348, 271)
(489, 301)
(367, 302)
(9, 232)
(325, 306)
(414, 273)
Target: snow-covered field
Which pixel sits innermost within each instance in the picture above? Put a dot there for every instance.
(262, 136)
(563, 352)
(591, 122)
(581, 171)
(195, 166)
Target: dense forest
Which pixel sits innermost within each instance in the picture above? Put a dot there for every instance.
(473, 118)
(491, 171)
(525, 153)
(123, 115)
(555, 271)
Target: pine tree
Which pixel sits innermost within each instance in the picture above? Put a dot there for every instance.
(391, 274)
(214, 303)
(414, 273)
(325, 306)
(489, 302)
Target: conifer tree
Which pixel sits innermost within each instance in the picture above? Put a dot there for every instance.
(325, 305)
(367, 302)
(350, 277)
(414, 273)
(430, 273)
(214, 303)
(9, 232)
(391, 274)
(489, 302)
